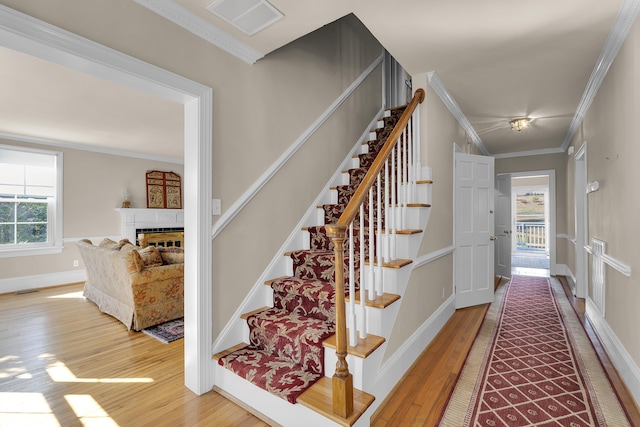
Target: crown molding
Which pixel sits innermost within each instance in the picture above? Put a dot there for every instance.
(529, 153)
(618, 34)
(84, 147)
(202, 28)
(446, 97)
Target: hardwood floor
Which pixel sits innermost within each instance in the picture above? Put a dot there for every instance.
(63, 363)
(420, 397)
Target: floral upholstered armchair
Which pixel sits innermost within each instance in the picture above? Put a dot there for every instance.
(140, 287)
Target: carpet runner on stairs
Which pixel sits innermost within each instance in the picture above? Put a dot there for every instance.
(285, 355)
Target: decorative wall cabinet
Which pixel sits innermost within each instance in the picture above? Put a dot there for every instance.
(164, 190)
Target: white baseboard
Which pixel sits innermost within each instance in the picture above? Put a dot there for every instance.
(621, 359)
(394, 369)
(15, 284)
(564, 270)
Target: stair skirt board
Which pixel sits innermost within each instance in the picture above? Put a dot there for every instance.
(285, 355)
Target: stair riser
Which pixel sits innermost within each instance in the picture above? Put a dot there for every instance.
(407, 245)
(395, 280)
(271, 337)
(380, 320)
(320, 267)
(363, 371)
(423, 193)
(414, 217)
(304, 306)
(318, 240)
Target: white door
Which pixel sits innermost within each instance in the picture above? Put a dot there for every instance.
(503, 226)
(474, 225)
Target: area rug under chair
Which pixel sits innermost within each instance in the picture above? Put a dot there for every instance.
(168, 331)
(532, 364)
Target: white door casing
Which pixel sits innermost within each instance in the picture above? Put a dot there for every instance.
(581, 212)
(474, 227)
(504, 225)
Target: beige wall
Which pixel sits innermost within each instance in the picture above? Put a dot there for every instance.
(530, 181)
(92, 190)
(440, 132)
(612, 159)
(258, 112)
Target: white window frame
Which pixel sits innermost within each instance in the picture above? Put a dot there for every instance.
(54, 214)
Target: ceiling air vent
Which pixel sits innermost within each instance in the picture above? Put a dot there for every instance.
(249, 16)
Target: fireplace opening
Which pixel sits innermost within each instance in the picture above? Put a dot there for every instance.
(157, 231)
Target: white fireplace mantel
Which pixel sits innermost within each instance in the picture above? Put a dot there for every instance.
(134, 219)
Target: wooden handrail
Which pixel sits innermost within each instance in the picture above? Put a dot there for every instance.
(369, 179)
(342, 381)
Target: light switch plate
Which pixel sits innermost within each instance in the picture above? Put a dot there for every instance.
(216, 206)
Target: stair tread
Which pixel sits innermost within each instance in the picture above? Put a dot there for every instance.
(363, 348)
(230, 350)
(318, 398)
(424, 181)
(275, 313)
(381, 301)
(256, 311)
(405, 231)
(413, 205)
(396, 263)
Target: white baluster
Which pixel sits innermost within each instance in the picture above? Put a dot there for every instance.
(379, 255)
(387, 213)
(353, 338)
(394, 202)
(371, 287)
(411, 191)
(363, 292)
(416, 125)
(405, 180)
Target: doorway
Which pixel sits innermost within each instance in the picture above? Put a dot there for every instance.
(526, 223)
(28, 35)
(530, 217)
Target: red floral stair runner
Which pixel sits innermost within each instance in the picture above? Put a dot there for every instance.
(533, 373)
(285, 355)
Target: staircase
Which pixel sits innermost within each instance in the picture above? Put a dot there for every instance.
(292, 345)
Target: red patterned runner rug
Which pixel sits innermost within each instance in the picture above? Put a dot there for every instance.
(532, 364)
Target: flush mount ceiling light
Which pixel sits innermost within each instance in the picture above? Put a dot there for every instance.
(519, 123)
(249, 16)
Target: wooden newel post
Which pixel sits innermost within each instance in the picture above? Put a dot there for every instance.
(342, 382)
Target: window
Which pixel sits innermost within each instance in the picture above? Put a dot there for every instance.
(30, 201)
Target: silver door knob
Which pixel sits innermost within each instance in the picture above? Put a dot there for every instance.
(492, 238)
